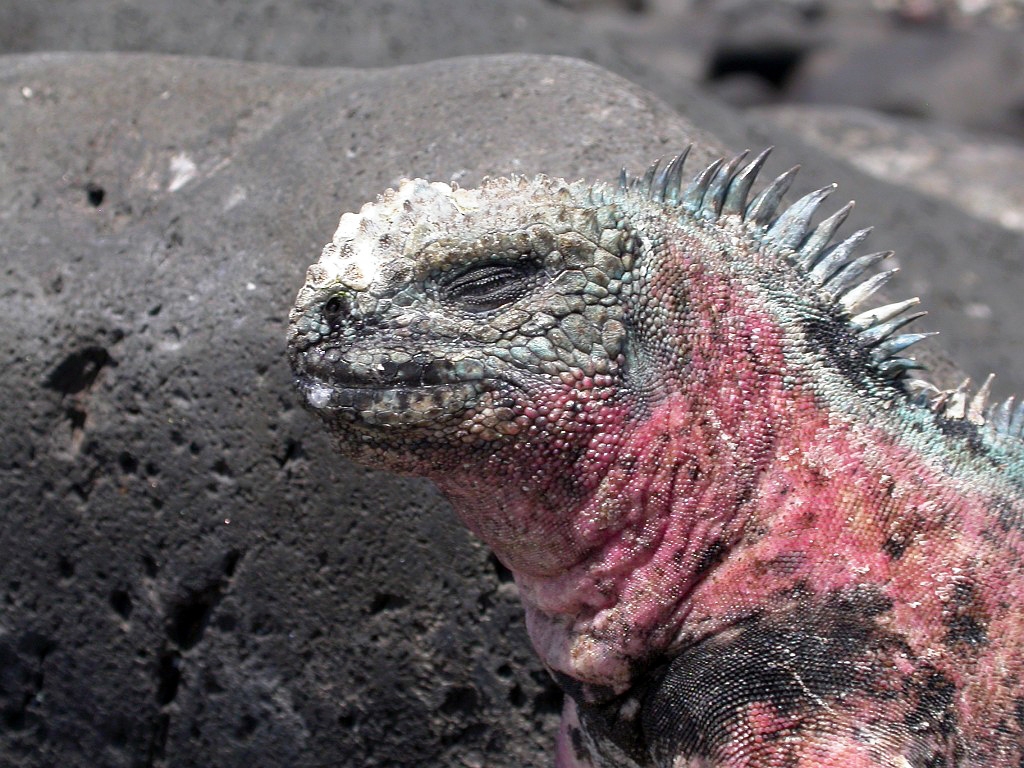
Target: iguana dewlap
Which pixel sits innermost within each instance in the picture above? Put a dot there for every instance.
(742, 534)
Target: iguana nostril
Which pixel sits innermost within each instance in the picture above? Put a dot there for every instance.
(333, 312)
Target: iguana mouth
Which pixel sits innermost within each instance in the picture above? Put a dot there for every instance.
(388, 387)
(386, 369)
(396, 406)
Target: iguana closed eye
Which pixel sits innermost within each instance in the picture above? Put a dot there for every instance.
(742, 533)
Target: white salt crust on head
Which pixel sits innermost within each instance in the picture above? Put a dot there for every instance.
(355, 257)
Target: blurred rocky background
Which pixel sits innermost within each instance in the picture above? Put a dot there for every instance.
(188, 575)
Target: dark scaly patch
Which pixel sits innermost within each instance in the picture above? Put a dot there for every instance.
(904, 529)
(831, 336)
(933, 720)
(964, 619)
(785, 565)
(896, 545)
(579, 748)
(964, 433)
(583, 693)
(609, 718)
(967, 630)
(1006, 513)
(1018, 711)
(711, 555)
(797, 662)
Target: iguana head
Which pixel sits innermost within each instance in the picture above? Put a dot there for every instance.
(436, 316)
(508, 341)
(471, 336)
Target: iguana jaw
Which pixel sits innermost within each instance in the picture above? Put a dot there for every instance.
(393, 406)
(388, 387)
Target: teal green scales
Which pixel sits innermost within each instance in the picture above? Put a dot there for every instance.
(743, 533)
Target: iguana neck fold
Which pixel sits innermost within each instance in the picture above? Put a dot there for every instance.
(658, 489)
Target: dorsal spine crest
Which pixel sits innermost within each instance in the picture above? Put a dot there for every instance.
(722, 191)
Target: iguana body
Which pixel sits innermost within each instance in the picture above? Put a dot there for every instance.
(741, 539)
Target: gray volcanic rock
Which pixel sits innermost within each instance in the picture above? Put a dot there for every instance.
(190, 576)
(971, 75)
(298, 32)
(341, 33)
(924, 58)
(977, 173)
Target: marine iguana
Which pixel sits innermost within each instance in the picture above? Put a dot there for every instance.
(743, 533)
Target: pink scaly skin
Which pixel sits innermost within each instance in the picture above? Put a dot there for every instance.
(738, 540)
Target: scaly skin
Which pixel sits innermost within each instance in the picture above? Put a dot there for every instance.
(740, 540)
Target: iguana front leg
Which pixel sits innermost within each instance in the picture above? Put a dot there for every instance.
(821, 687)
